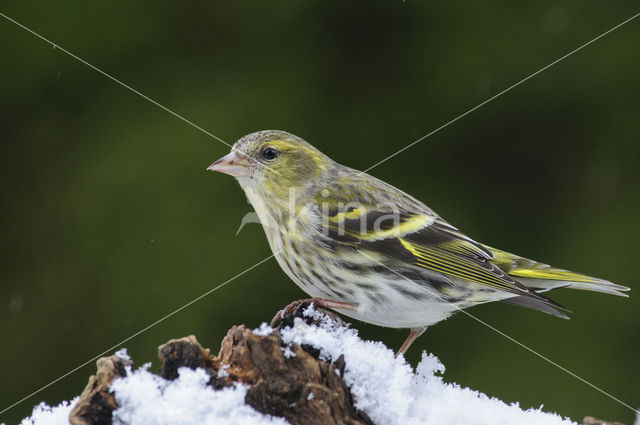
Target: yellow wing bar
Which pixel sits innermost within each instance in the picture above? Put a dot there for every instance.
(440, 260)
(523, 267)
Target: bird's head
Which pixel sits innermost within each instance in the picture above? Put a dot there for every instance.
(273, 163)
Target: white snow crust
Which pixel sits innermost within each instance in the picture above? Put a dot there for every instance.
(384, 387)
(146, 399)
(50, 415)
(392, 393)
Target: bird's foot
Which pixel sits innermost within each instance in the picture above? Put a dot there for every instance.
(300, 305)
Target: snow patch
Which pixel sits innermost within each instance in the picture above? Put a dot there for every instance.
(263, 330)
(124, 355)
(44, 414)
(147, 399)
(384, 387)
(222, 372)
(288, 352)
(390, 392)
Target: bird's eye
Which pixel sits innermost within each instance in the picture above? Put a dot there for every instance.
(269, 153)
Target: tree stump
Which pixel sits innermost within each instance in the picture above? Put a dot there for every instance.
(302, 388)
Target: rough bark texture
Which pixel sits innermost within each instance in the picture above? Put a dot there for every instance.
(303, 389)
(96, 402)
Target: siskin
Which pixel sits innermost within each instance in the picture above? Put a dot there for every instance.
(372, 252)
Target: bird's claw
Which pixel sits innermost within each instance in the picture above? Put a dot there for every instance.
(300, 305)
(290, 309)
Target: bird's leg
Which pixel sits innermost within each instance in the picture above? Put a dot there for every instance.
(318, 302)
(415, 333)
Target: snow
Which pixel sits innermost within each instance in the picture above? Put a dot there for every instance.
(147, 399)
(390, 392)
(124, 355)
(384, 387)
(222, 372)
(263, 330)
(45, 415)
(288, 352)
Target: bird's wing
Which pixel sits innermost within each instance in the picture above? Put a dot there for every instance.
(422, 240)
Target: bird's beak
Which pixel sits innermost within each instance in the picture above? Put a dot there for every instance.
(235, 164)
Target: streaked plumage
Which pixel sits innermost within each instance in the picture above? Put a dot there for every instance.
(343, 235)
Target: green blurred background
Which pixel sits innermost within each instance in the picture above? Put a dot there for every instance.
(109, 220)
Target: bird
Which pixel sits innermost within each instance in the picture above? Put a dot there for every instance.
(367, 250)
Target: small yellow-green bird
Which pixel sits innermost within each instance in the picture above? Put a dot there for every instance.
(372, 252)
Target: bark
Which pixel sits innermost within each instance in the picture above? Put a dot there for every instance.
(96, 403)
(303, 389)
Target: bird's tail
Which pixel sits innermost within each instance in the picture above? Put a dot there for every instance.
(542, 277)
